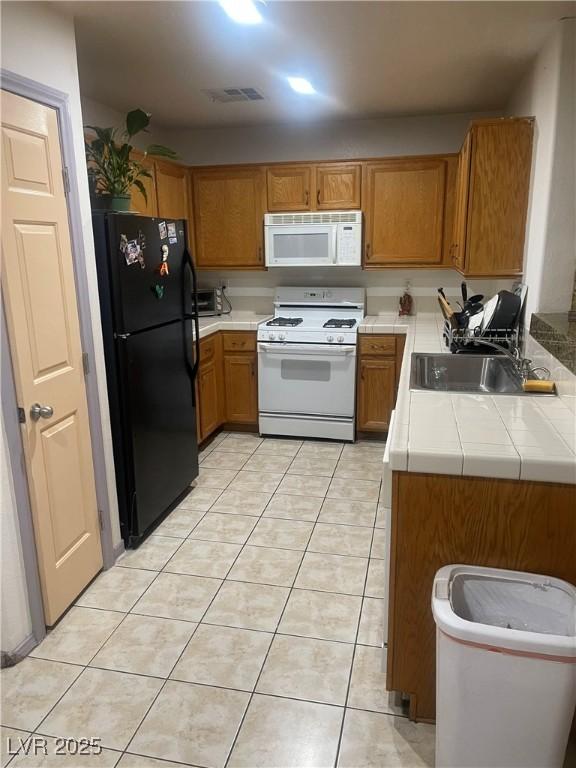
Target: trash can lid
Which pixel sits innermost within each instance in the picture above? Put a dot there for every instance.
(508, 610)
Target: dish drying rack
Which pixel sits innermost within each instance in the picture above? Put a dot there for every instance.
(464, 340)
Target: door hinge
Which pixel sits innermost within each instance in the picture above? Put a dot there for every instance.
(85, 363)
(101, 519)
(66, 180)
(21, 416)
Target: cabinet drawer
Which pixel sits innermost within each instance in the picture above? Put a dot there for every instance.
(383, 346)
(207, 349)
(239, 342)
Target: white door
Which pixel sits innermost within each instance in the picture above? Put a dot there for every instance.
(39, 294)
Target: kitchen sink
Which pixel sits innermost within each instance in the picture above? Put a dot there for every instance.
(469, 374)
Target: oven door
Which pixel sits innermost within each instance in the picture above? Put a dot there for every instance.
(306, 379)
(300, 246)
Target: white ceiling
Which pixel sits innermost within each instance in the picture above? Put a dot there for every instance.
(365, 59)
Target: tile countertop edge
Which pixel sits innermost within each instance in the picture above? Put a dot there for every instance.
(235, 321)
(504, 436)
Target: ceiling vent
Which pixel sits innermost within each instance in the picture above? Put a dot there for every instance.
(224, 95)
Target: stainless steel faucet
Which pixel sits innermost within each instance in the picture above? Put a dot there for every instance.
(522, 364)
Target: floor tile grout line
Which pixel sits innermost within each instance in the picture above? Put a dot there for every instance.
(339, 745)
(274, 635)
(246, 543)
(184, 649)
(86, 666)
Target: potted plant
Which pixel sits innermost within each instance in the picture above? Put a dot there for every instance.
(112, 172)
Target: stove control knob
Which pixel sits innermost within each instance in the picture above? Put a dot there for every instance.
(281, 336)
(329, 338)
(271, 336)
(340, 339)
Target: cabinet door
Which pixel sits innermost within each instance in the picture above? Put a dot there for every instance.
(229, 218)
(498, 197)
(147, 206)
(172, 190)
(288, 187)
(461, 213)
(404, 210)
(338, 186)
(376, 387)
(450, 202)
(241, 389)
(210, 411)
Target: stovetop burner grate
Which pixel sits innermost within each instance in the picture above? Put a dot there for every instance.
(337, 323)
(288, 322)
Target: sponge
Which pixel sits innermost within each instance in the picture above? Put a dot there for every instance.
(537, 385)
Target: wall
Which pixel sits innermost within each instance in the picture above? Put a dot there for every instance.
(38, 42)
(547, 92)
(96, 113)
(379, 137)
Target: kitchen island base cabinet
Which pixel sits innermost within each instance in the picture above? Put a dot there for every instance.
(439, 520)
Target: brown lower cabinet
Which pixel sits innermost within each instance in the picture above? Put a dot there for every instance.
(379, 362)
(227, 383)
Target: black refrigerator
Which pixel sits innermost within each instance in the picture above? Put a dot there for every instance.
(147, 286)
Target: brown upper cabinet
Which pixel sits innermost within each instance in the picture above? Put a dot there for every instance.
(289, 187)
(139, 204)
(172, 190)
(338, 186)
(314, 187)
(403, 203)
(229, 204)
(492, 197)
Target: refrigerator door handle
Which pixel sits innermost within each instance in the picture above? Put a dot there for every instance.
(188, 263)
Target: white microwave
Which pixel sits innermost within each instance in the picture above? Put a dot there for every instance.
(330, 239)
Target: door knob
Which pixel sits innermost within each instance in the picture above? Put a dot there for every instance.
(38, 411)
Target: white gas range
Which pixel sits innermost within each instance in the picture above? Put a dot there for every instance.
(307, 363)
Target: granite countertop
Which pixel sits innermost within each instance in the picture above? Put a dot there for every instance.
(503, 436)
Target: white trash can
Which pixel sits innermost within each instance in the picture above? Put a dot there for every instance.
(505, 668)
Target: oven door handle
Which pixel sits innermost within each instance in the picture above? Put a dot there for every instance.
(322, 350)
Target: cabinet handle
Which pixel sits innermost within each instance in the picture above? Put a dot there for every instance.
(367, 250)
(259, 253)
(253, 371)
(307, 197)
(318, 196)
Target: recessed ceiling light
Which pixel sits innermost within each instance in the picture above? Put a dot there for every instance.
(242, 11)
(301, 85)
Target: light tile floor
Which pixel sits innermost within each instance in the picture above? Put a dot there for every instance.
(246, 631)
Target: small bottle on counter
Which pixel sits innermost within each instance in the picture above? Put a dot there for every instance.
(406, 303)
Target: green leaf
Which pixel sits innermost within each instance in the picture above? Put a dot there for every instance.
(160, 151)
(136, 120)
(138, 184)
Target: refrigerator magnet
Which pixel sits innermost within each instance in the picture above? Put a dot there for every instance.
(163, 269)
(158, 291)
(162, 230)
(131, 251)
(172, 237)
